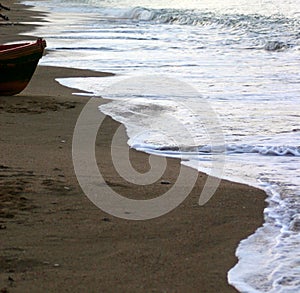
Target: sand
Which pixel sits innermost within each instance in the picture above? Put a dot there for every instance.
(53, 239)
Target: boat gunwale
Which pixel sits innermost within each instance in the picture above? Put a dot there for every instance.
(15, 51)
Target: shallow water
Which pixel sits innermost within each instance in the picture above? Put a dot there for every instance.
(242, 60)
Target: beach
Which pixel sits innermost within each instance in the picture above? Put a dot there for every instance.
(53, 239)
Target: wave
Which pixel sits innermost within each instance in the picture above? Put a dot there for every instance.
(276, 46)
(192, 17)
(266, 150)
(276, 32)
(229, 149)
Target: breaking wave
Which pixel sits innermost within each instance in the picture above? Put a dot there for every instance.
(192, 17)
(230, 149)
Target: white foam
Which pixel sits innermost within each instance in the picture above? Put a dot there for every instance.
(272, 250)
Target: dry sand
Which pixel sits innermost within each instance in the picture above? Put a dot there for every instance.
(53, 239)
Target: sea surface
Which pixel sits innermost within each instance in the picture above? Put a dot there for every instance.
(179, 62)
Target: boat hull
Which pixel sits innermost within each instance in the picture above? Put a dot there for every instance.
(17, 65)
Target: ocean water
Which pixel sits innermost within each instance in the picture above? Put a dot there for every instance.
(179, 62)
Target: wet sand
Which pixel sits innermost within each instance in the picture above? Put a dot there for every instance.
(53, 239)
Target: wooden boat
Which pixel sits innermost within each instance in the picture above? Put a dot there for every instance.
(17, 65)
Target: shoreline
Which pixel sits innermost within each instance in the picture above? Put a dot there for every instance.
(55, 239)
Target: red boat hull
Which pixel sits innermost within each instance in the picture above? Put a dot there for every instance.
(17, 65)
